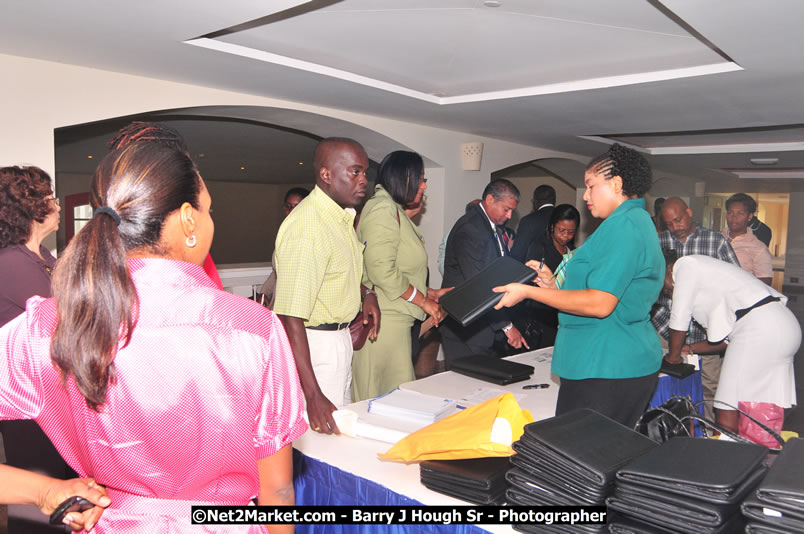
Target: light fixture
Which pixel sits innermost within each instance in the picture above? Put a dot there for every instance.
(301, 163)
(764, 161)
(90, 156)
(492, 3)
(471, 156)
(242, 168)
(764, 174)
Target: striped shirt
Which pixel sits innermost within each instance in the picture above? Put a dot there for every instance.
(319, 263)
(701, 241)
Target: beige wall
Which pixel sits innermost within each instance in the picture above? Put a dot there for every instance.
(48, 95)
(794, 257)
(565, 194)
(775, 215)
(247, 217)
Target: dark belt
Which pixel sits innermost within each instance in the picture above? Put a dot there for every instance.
(329, 326)
(767, 300)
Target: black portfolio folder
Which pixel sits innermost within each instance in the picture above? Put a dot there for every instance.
(769, 515)
(784, 485)
(620, 523)
(477, 473)
(677, 507)
(587, 444)
(677, 370)
(711, 470)
(779, 499)
(472, 298)
(754, 527)
(491, 369)
(477, 480)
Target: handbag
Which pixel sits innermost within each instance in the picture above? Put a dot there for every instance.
(677, 417)
(668, 420)
(359, 331)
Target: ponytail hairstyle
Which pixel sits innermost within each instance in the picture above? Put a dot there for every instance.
(142, 183)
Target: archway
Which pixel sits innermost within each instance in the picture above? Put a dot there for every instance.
(248, 155)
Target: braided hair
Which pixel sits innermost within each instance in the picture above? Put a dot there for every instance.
(150, 132)
(629, 165)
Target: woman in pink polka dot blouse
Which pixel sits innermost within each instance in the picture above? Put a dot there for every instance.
(145, 376)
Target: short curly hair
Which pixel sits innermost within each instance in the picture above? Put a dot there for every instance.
(25, 194)
(747, 201)
(629, 165)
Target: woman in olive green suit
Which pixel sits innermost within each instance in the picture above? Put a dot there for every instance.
(395, 265)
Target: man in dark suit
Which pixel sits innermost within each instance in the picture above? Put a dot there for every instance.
(475, 241)
(533, 226)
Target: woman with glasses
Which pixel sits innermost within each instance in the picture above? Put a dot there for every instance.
(395, 265)
(552, 247)
(559, 239)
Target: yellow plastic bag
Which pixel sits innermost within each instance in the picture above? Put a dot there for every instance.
(487, 429)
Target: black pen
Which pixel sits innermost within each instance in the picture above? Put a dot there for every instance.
(536, 386)
(541, 264)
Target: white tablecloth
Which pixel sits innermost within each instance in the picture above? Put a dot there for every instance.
(359, 456)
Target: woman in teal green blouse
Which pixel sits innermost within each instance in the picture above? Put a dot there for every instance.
(395, 265)
(607, 352)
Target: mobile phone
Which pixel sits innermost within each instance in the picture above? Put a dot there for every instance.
(73, 504)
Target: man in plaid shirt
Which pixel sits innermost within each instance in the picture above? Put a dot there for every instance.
(685, 237)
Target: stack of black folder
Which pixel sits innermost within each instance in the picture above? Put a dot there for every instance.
(778, 503)
(687, 485)
(570, 460)
(477, 480)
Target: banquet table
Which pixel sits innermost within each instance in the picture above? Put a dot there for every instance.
(340, 470)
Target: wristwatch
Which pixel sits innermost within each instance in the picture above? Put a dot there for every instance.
(507, 327)
(367, 292)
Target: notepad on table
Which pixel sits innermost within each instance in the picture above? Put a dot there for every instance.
(411, 405)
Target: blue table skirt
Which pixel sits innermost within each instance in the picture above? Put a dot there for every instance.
(318, 483)
(683, 387)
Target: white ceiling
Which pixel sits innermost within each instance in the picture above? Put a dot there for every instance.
(559, 74)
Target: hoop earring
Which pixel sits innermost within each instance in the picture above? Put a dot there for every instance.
(190, 241)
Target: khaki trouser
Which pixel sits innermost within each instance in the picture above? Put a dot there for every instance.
(710, 375)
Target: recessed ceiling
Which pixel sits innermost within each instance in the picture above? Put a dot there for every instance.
(741, 140)
(425, 46)
(475, 64)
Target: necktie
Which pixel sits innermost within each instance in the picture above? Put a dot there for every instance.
(560, 275)
(500, 241)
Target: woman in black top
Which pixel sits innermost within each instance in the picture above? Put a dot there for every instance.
(551, 247)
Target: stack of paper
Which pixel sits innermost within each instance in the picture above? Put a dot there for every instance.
(411, 406)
